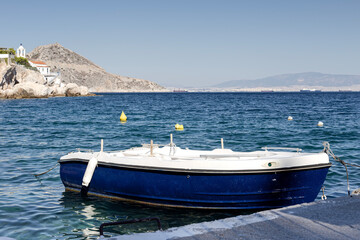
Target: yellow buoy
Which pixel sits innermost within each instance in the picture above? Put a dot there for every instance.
(123, 117)
(179, 127)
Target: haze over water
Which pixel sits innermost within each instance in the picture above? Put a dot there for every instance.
(35, 133)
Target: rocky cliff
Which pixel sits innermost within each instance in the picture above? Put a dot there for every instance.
(77, 69)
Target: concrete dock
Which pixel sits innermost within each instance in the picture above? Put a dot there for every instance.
(336, 218)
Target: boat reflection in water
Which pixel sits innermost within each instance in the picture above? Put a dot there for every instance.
(92, 211)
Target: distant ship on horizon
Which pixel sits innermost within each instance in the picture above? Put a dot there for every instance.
(304, 90)
(179, 90)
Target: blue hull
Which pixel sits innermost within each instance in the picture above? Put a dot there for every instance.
(200, 190)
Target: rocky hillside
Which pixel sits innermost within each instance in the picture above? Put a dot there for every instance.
(77, 69)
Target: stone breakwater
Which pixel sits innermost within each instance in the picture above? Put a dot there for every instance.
(20, 82)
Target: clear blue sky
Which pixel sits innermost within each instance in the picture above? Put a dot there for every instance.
(194, 43)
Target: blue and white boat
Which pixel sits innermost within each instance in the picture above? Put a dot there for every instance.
(218, 179)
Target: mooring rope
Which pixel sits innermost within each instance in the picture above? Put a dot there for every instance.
(337, 159)
(36, 175)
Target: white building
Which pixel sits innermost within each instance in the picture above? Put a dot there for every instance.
(6, 57)
(41, 66)
(20, 52)
(44, 69)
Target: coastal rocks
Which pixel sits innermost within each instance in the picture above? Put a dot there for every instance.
(32, 90)
(18, 74)
(25, 90)
(84, 90)
(35, 90)
(58, 91)
(19, 82)
(73, 90)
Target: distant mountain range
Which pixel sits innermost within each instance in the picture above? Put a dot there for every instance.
(307, 79)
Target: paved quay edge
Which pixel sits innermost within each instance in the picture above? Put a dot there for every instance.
(334, 218)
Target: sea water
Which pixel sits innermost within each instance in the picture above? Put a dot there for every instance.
(35, 133)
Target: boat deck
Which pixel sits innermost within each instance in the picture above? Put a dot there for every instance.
(175, 158)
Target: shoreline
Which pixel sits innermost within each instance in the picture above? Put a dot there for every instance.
(44, 97)
(109, 93)
(94, 94)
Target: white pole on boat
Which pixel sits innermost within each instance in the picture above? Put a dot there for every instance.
(172, 145)
(89, 172)
(222, 143)
(102, 145)
(151, 148)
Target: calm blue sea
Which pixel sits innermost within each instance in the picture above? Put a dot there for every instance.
(35, 133)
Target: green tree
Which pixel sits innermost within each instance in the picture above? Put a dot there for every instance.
(6, 51)
(22, 61)
(11, 50)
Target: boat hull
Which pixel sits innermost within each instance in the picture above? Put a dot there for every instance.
(255, 190)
